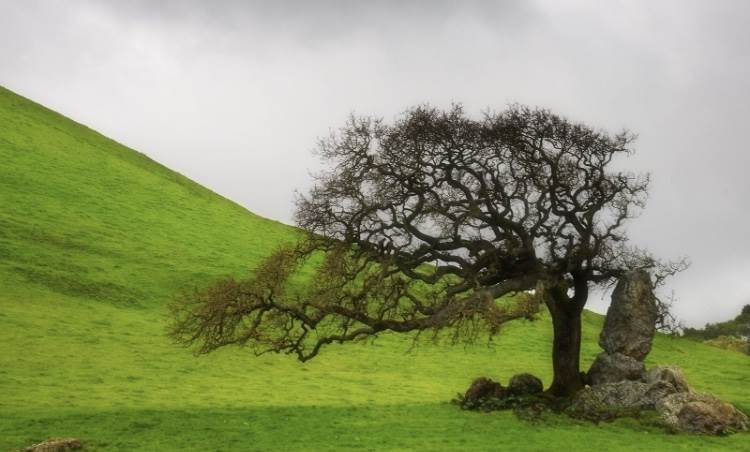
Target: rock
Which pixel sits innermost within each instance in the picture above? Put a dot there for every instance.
(483, 388)
(657, 391)
(701, 413)
(630, 324)
(56, 445)
(663, 388)
(669, 375)
(611, 399)
(614, 367)
(525, 384)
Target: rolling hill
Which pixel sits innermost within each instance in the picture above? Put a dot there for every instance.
(95, 238)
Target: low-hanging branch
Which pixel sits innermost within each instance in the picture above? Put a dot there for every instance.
(262, 313)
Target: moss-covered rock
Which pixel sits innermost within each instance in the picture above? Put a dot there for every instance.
(701, 413)
(525, 384)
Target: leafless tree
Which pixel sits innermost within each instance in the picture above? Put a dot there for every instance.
(424, 223)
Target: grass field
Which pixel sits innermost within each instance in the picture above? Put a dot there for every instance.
(95, 239)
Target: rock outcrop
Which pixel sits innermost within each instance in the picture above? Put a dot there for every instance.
(628, 332)
(614, 367)
(608, 400)
(620, 385)
(630, 325)
(701, 413)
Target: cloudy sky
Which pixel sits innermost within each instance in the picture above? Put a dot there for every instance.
(234, 94)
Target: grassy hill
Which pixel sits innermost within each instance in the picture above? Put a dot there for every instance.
(94, 240)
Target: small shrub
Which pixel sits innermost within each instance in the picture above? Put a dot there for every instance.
(733, 343)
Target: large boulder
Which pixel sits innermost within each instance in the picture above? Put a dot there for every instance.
(609, 400)
(630, 324)
(701, 413)
(614, 367)
(525, 384)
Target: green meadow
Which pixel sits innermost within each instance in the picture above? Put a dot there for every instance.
(96, 238)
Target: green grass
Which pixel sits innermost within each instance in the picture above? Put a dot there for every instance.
(94, 240)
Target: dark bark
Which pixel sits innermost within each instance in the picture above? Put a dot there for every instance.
(566, 345)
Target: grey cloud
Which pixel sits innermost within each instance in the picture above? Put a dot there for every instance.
(234, 93)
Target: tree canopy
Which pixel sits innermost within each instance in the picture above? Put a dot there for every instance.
(424, 223)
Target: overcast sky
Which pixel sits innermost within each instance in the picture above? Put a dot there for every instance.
(234, 94)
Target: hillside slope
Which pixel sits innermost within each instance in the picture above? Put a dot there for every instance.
(95, 238)
(85, 216)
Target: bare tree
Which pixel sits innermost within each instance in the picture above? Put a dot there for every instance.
(423, 224)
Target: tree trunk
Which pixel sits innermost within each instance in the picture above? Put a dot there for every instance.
(566, 346)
